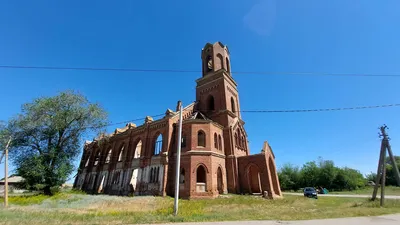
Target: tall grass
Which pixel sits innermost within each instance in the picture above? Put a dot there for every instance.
(72, 208)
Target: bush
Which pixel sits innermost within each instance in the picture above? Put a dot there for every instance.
(54, 190)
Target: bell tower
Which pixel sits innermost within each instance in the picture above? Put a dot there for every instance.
(216, 91)
(215, 57)
(217, 97)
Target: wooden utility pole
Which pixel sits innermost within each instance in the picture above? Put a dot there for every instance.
(5, 153)
(381, 171)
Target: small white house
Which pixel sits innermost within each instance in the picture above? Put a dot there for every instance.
(13, 183)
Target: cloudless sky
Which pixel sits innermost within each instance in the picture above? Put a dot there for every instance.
(360, 36)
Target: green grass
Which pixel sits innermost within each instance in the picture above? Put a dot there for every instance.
(71, 208)
(35, 199)
(389, 190)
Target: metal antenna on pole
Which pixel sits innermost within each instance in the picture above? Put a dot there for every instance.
(178, 160)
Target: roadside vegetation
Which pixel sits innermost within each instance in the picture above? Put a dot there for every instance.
(78, 208)
(324, 173)
(46, 138)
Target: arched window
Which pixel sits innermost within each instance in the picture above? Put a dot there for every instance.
(157, 173)
(228, 66)
(158, 145)
(211, 103)
(209, 64)
(219, 142)
(97, 158)
(201, 138)
(108, 159)
(116, 177)
(183, 143)
(239, 139)
(182, 176)
(121, 153)
(233, 105)
(138, 150)
(201, 174)
(243, 143)
(236, 139)
(151, 175)
(215, 141)
(220, 61)
(87, 162)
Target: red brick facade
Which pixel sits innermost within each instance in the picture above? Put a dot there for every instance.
(215, 155)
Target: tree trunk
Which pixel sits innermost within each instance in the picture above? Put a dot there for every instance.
(47, 190)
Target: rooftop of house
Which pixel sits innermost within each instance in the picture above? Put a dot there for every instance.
(13, 179)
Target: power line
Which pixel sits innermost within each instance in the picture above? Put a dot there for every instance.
(321, 110)
(273, 111)
(196, 71)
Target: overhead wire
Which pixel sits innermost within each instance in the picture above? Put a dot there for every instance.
(270, 111)
(197, 71)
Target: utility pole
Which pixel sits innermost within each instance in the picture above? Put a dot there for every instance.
(5, 153)
(381, 171)
(178, 160)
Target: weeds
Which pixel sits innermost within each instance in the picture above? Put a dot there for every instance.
(77, 208)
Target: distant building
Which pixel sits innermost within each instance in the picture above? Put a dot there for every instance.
(215, 159)
(14, 184)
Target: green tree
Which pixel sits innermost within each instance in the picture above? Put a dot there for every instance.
(371, 177)
(339, 182)
(289, 177)
(309, 174)
(47, 137)
(354, 179)
(390, 175)
(327, 173)
(4, 138)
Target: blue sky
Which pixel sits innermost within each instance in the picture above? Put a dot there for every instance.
(341, 36)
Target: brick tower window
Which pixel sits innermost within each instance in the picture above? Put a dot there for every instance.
(219, 142)
(236, 139)
(228, 67)
(201, 175)
(183, 142)
(201, 138)
(211, 103)
(233, 105)
(215, 141)
(182, 176)
(220, 61)
(209, 64)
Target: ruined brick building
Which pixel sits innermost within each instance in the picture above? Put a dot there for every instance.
(215, 159)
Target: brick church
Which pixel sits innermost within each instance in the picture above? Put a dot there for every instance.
(140, 160)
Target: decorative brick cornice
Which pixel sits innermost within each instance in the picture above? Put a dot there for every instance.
(204, 153)
(233, 92)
